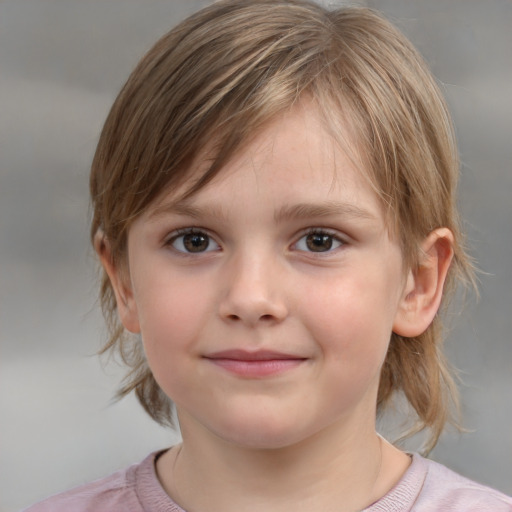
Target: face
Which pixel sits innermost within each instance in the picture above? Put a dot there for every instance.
(266, 300)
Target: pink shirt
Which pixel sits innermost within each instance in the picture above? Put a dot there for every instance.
(425, 487)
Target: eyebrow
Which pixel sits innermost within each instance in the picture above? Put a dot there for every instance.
(187, 210)
(287, 212)
(306, 210)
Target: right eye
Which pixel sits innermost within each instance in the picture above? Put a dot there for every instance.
(193, 241)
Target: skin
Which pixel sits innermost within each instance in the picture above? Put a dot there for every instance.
(292, 256)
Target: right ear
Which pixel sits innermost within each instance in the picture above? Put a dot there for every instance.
(120, 281)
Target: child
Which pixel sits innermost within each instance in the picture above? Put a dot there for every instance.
(274, 209)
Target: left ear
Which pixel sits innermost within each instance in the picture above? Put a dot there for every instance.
(424, 285)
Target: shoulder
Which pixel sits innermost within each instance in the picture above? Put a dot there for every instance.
(443, 489)
(431, 487)
(124, 490)
(111, 493)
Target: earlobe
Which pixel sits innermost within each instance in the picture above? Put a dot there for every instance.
(423, 290)
(119, 279)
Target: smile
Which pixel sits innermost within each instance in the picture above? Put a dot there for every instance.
(254, 364)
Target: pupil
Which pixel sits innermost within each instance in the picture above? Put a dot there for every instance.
(195, 242)
(318, 242)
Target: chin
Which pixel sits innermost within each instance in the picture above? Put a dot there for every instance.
(261, 434)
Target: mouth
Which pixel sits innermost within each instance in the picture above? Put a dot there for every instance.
(258, 364)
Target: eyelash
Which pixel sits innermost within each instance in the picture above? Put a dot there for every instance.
(332, 238)
(181, 233)
(322, 232)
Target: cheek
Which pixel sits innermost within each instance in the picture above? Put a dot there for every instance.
(353, 320)
(170, 324)
(172, 313)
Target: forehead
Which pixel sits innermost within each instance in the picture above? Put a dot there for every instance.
(293, 159)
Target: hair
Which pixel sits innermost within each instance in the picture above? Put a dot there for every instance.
(215, 80)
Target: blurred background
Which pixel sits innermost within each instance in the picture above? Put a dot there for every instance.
(62, 63)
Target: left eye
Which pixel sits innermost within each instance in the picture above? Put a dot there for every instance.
(318, 241)
(193, 242)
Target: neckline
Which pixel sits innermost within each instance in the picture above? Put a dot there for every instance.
(400, 498)
(404, 494)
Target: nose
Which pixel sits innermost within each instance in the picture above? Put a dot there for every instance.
(255, 292)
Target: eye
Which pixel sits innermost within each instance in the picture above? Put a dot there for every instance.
(318, 241)
(193, 241)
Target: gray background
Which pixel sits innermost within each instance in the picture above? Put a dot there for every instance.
(62, 62)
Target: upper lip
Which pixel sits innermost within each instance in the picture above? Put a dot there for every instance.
(245, 355)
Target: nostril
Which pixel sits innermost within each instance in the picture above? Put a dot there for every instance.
(251, 310)
(264, 318)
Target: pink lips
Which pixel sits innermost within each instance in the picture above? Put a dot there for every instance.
(262, 363)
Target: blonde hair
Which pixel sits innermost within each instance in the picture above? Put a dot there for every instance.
(232, 67)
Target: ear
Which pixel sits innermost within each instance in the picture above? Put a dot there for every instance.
(120, 281)
(424, 285)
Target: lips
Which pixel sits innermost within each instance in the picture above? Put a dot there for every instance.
(258, 364)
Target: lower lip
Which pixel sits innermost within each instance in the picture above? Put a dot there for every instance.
(259, 368)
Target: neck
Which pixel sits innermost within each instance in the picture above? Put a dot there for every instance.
(329, 471)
